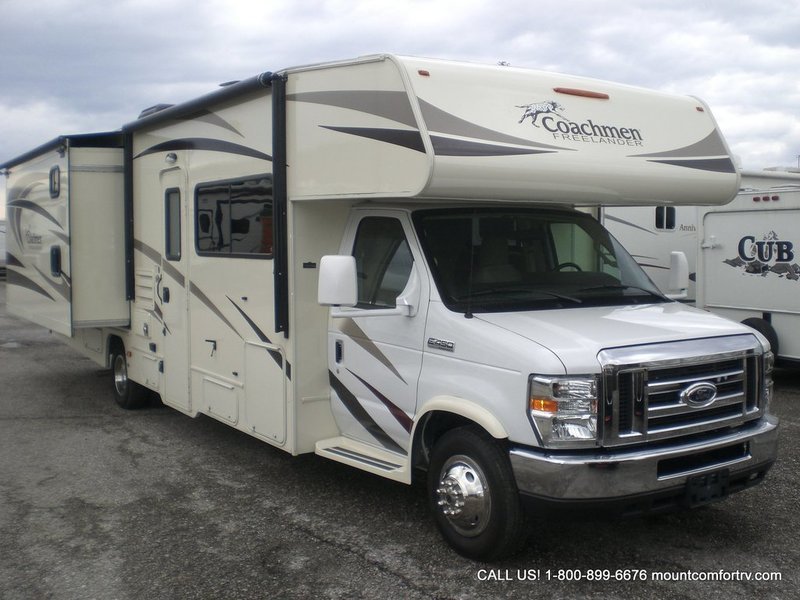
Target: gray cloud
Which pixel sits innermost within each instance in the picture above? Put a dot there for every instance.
(91, 65)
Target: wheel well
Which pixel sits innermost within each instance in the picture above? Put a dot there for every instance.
(432, 427)
(765, 328)
(112, 344)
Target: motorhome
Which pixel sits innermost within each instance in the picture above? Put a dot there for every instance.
(735, 271)
(380, 261)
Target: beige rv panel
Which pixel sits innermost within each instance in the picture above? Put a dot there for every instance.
(388, 126)
(97, 238)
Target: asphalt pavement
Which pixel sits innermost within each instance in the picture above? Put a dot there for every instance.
(98, 502)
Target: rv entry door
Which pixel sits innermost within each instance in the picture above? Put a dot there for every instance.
(172, 286)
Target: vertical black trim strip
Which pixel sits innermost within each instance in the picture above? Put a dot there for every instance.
(279, 205)
(127, 160)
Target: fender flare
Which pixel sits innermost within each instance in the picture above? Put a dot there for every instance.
(463, 408)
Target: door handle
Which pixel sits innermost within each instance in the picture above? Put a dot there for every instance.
(166, 295)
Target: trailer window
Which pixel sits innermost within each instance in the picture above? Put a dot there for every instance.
(665, 217)
(234, 218)
(172, 224)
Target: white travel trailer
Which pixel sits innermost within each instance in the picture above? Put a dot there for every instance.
(752, 283)
(380, 261)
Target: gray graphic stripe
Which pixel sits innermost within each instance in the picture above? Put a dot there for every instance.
(205, 144)
(170, 270)
(19, 280)
(441, 121)
(32, 206)
(349, 328)
(211, 306)
(711, 145)
(148, 251)
(13, 261)
(628, 223)
(443, 146)
(155, 256)
(717, 165)
(211, 118)
(62, 287)
(382, 103)
(276, 356)
(398, 137)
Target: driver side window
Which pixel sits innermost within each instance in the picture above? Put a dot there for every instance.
(383, 262)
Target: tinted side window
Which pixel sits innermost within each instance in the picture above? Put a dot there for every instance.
(172, 221)
(383, 262)
(234, 218)
(665, 217)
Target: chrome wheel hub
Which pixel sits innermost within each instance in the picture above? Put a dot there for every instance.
(463, 496)
(120, 374)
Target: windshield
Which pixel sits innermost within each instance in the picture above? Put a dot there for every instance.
(506, 259)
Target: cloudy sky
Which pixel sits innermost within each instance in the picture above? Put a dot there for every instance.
(72, 66)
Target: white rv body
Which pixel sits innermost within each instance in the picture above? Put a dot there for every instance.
(318, 257)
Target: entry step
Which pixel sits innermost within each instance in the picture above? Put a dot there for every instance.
(366, 457)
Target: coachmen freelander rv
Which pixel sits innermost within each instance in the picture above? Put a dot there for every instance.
(380, 261)
(743, 253)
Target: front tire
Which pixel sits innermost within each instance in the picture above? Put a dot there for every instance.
(473, 495)
(127, 394)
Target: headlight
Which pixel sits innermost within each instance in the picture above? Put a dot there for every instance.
(564, 410)
(769, 366)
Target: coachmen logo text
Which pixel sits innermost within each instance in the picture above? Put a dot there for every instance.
(548, 114)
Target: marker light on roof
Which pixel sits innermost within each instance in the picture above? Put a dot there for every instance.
(583, 93)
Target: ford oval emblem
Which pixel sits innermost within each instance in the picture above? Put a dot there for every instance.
(699, 395)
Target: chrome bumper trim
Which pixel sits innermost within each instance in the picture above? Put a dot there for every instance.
(619, 473)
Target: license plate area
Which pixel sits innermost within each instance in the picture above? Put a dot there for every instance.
(707, 488)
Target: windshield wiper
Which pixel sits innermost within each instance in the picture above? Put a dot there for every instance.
(524, 290)
(621, 286)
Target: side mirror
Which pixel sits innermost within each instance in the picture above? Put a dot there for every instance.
(678, 276)
(337, 281)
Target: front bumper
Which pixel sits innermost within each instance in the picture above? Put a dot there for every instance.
(644, 479)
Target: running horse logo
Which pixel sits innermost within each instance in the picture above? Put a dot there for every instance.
(540, 108)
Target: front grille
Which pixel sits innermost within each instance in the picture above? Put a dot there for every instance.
(648, 400)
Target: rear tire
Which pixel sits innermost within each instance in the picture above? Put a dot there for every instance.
(127, 394)
(765, 329)
(473, 495)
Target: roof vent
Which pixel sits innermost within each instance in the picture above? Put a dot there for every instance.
(154, 109)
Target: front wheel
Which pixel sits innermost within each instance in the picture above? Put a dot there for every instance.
(473, 495)
(127, 394)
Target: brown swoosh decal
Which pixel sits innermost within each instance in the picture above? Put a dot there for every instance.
(349, 328)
